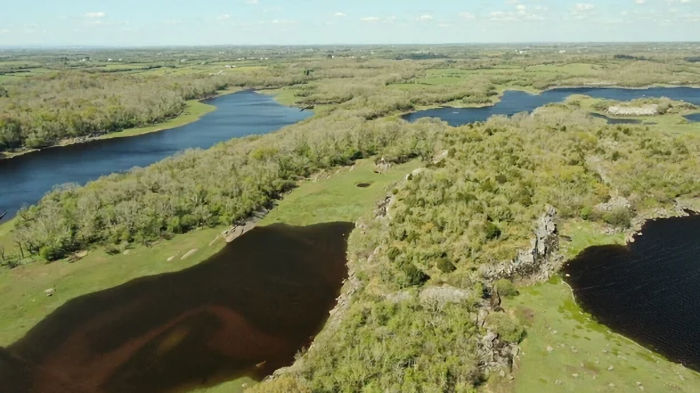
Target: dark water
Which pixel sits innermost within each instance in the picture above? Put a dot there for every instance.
(25, 179)
(612, 120)
(245, 311)
(695, 117)
(514, 102)
(648, 290)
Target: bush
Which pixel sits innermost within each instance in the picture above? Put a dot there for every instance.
(506, 327)
(505, 287)
(620, 217)
(446, 266)
(492, 231)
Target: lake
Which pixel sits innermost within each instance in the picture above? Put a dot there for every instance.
(25, 179)
(695, 117)
(648, 290)
(514, 101)
(244, 312)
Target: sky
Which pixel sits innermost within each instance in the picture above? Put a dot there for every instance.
(49, 23)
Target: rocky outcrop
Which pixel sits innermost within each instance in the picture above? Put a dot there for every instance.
(243, 227)
(614, 203)
(497, 354)
(537, 262)
(443, 295)
(383, 207)
(381, 166)
(642, 110)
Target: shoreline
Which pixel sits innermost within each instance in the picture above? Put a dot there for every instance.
(635, 230)
(193, 111)
(539, 92)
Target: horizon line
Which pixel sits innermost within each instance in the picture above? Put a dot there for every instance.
(147, 46)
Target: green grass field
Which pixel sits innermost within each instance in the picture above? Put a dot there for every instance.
(337, 197)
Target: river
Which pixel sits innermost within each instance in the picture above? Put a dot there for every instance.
(25, 179)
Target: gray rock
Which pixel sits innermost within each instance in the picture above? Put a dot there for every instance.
(538, 261)
(443, 295)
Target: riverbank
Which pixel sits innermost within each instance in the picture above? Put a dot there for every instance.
(501, 90)
(193, 111)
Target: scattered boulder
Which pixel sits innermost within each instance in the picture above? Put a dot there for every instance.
(381, 166)
(413, 173)
(50, 292)
(614, 203)
(398, 297)
(641, 110)
(443, 295)
(383, 206)
(188, 254)
(440, 157)
(238, 230)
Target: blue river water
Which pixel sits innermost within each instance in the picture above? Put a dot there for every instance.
(25, 179)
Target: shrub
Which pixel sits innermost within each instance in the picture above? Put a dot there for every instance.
(506, 327)
(445, 265)
(505, 287)
(620, 217)
(492, 231)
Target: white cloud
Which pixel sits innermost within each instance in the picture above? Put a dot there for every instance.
(582, 10)
(251, 2)
(640, 2)
(467, 15)
(425, 17)
(370, 19)
(95, 14)
(501, 16)
(223, 17)
(521, 12)
(340, 14)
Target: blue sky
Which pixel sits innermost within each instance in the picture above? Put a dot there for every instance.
(252, 22)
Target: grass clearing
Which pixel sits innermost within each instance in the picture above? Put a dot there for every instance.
(337, 196)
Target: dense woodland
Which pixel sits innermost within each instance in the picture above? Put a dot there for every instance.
(470, 209)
